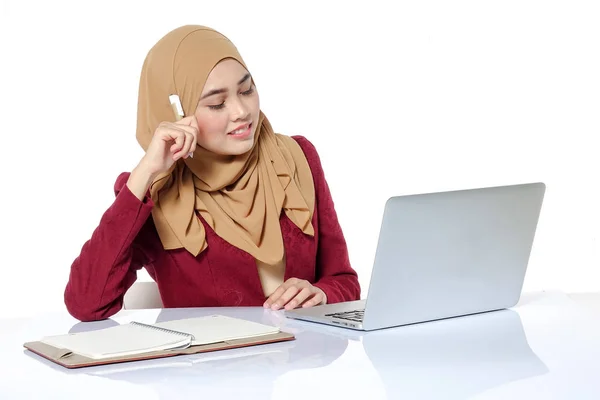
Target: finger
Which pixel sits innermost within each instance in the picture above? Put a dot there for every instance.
(187, 121)
(186, 129)
(190, 126)
(194, 122)
(174, 134)
(275, 295)
(187, 144)
(315, 300)
(299, 299)
(193, 144)
(279, 291)
(178, 145)
(293, 282)
(285, 297)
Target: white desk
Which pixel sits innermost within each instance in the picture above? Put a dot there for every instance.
(548, 347)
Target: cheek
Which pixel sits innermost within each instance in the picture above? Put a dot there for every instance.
(211, 126)
(255, 105)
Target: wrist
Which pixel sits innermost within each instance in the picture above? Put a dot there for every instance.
(143, 173)
(139, 180)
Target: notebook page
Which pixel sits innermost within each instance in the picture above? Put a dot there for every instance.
(117, 341)
(218, 328)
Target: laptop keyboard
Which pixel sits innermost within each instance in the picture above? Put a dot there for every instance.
(355, 315)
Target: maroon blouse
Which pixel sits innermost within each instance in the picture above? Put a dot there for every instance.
(222, 275)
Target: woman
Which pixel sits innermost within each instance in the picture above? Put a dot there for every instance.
(220, 210)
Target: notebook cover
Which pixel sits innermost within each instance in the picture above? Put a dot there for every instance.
(72, 360)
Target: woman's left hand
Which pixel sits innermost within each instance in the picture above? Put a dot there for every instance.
(294, 293)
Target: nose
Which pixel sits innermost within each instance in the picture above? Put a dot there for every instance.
(239, 111)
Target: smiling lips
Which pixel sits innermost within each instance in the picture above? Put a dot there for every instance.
(242, 131)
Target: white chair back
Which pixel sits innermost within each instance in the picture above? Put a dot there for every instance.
(142, 295)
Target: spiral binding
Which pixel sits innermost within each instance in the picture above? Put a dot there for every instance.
(158, 328)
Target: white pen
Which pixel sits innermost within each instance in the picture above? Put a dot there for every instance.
(178, 111)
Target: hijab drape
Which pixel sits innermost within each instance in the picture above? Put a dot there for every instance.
(240, 197)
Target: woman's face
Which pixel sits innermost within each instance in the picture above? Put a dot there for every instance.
(228, 110)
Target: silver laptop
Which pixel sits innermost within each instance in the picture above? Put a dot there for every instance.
(443, 255)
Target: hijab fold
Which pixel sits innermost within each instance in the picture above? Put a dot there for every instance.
(240, 197)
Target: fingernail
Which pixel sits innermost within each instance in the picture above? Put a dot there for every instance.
(275, 306)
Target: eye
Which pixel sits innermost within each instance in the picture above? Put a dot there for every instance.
(217, 106)
(249, 91)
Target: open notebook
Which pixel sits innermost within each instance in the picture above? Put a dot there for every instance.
(137, 341)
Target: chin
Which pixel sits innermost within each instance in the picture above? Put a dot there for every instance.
(239, 148)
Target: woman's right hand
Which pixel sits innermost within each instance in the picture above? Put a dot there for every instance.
(170, 142)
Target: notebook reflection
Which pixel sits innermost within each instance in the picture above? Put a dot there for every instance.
(225, 373)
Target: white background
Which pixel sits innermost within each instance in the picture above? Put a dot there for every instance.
(398, 97)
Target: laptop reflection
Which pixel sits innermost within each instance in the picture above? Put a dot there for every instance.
(452, 359)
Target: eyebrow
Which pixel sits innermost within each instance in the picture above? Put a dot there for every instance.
(219, 91)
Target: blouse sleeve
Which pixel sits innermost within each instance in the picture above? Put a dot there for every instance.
(335, 275)
(107, 264)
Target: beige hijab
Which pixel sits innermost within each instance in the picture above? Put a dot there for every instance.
(240, 197)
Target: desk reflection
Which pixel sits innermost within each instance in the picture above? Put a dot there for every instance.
(452, 359)
(250, 371)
